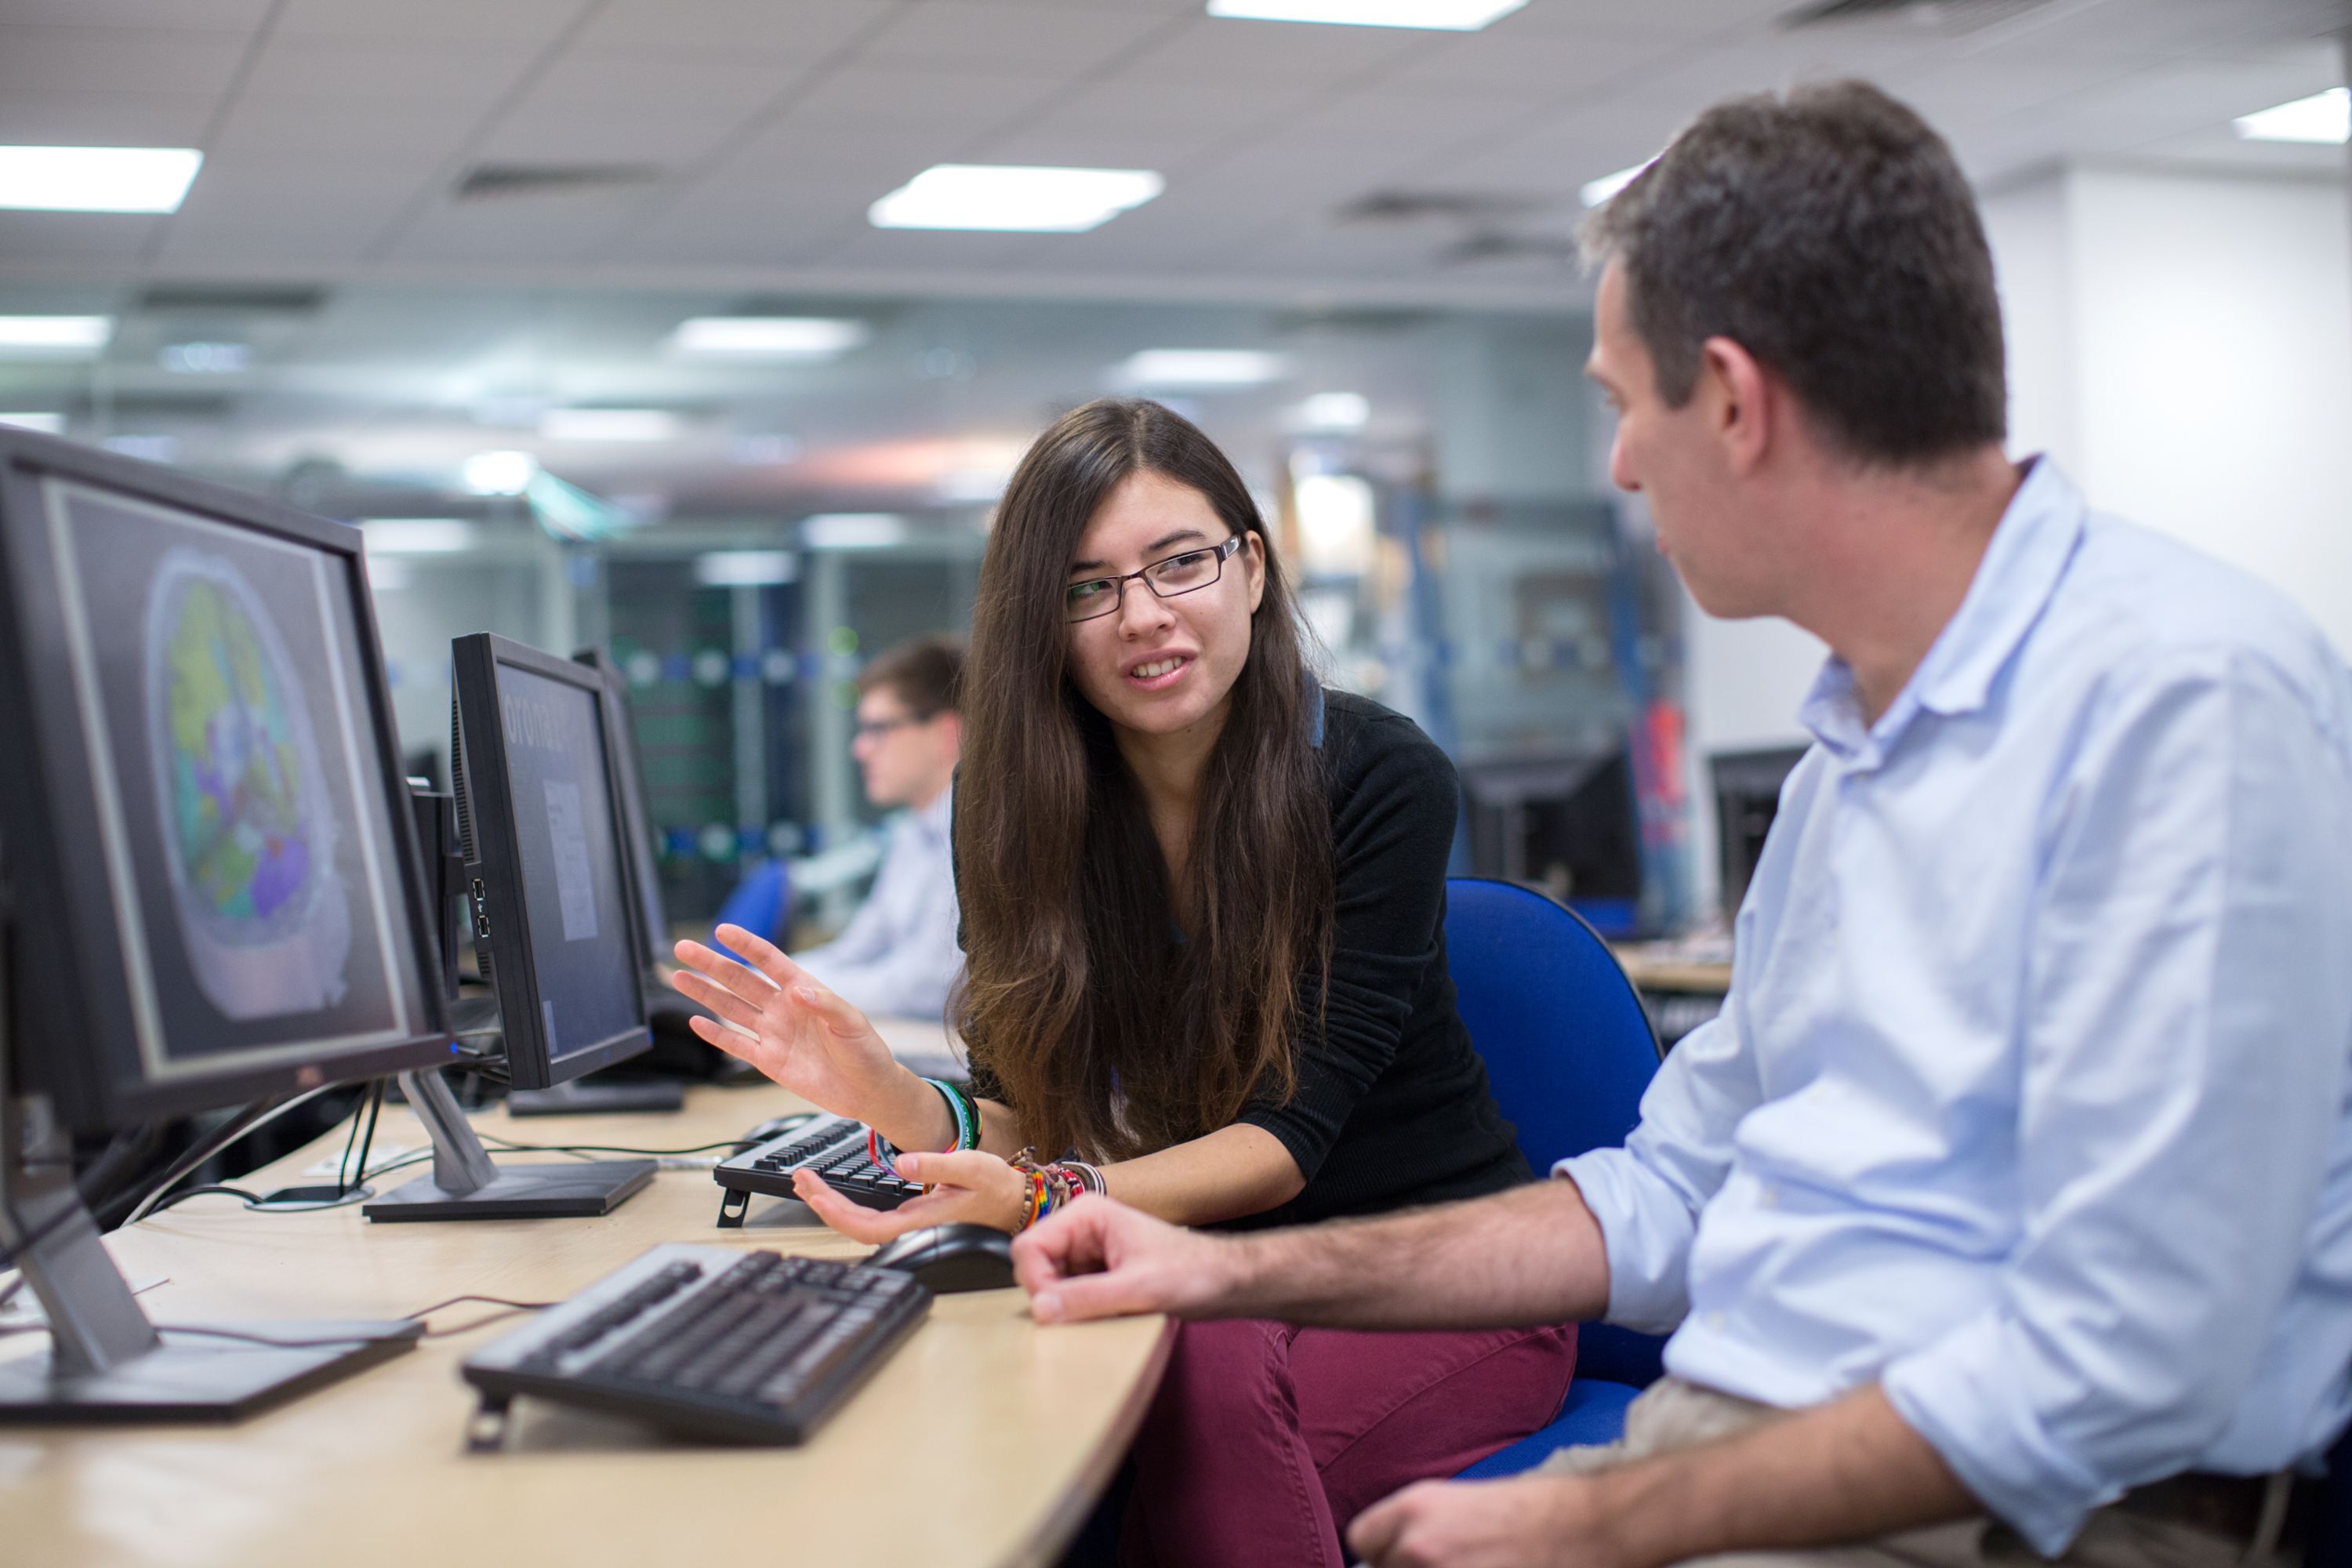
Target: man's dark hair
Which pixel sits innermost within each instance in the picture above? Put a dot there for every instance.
(1829, 233)
(925, 674)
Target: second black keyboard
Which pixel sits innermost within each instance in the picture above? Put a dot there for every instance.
(832, 1146)
(711, 1341)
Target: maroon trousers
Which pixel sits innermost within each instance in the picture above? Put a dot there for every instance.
(1267, 1439)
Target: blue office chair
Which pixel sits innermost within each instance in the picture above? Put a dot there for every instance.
(2330, 1545)
(1569, 1050)
(758, 903)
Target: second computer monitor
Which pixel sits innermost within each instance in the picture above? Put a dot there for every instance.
(628, 773)
(541, 810)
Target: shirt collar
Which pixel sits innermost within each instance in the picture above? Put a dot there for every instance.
(2027, 555)
(936, 816)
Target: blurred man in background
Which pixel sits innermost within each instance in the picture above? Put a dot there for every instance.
(898, 953)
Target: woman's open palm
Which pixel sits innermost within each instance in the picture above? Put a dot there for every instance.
(774, 1015)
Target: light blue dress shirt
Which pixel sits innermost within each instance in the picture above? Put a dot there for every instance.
(2028, 1100)
(897, 955)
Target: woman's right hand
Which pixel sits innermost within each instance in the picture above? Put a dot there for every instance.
(777, 1017)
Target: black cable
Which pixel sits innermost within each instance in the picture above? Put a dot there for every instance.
(184, 1194)
(357, 1178)
(258, 1115)
(359, 1107)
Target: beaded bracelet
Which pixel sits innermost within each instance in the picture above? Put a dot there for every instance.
(1054, 1184)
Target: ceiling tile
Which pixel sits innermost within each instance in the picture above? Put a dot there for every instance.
(966, 102)
(346, 68)
(74, 237)
(440, 21)
(1300, 58)
(34, 117)
(619, 134)
(1016, 34)
(804, 30)
(206, 16)
(707, 84)
(275, 128)
(117, 60)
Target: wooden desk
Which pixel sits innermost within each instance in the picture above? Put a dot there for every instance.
(984, 1440)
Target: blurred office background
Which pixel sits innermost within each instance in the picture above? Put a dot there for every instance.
(596, 314)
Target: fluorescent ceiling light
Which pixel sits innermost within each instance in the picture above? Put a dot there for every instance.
(746, 568)
(853, 531)
(416, 535)
(47, 423)
(1012, 199)
(762, 449)
(1335, 411)
(1595, 192)
(97, 179)
(2324, 117)
(146, 449)
(1204, 368)
(205, 359)
(56, 334)
(767, 337)
(1444, 15)
(609, 425)
(500, 473)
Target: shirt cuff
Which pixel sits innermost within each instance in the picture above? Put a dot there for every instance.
(1964, 1396)
(1646, 1231)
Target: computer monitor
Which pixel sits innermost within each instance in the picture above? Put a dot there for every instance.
(214, 893)
(539, 813)
(623, 761)
(1746, 799)
(540, 823)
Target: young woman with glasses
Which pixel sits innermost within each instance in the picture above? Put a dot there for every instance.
(1203, 902)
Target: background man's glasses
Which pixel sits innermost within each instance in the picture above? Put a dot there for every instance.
(1167, 577)
(870, 729)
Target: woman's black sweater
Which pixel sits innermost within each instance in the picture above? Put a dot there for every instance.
(1393, 1106)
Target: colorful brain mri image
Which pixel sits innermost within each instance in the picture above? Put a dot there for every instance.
(250, 830)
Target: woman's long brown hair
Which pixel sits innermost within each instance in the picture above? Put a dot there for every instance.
(1112, 1031)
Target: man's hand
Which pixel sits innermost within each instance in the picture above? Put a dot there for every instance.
(1527, 1521)
(1098, 1258)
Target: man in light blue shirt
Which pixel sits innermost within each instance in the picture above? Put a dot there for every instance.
(898, 955)
(2008, 1207)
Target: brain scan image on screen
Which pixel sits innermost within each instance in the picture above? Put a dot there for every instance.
(247, 824)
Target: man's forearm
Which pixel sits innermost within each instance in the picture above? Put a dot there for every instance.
(1849, 1471)
(1532, 1255)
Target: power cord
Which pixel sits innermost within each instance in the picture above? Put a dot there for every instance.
(513, 1309)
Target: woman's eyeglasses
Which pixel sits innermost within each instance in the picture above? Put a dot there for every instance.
(1167, 578)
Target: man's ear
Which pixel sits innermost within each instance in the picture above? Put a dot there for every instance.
(1741, 400)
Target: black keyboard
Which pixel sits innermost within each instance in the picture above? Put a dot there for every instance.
(832, 1146)
(709, 1342)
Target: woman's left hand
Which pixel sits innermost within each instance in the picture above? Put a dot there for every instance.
(967, 1185)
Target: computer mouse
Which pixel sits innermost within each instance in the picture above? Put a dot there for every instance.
(946, 1258)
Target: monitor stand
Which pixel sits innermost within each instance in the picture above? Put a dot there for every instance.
(106, 1361)
(467, 1184)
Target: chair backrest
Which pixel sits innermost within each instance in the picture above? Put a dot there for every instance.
(2330, 1545)
(1566, 1044)
(756, 904)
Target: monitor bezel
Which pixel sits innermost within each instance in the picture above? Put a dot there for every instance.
(73, 984)
(622, 748)
(497, 860)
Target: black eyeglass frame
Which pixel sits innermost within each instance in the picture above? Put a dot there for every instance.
(1223, 551)
(862, 727)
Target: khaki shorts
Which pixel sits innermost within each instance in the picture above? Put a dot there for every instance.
(1672, 1414)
